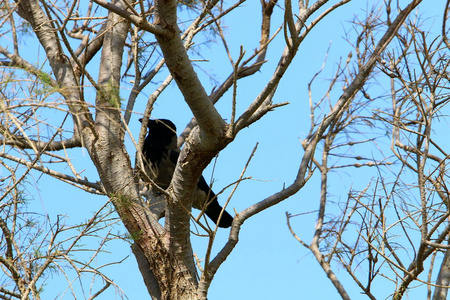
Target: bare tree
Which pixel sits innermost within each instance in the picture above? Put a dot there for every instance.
(397, 226)
(158, 36)
(33, 246)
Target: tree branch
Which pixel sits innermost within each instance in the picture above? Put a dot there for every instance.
(139, 21)
(302, 177)
(86, 185)
(24, 143)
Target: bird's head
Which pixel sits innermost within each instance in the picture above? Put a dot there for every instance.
(161, 127)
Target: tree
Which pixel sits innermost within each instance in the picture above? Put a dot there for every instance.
(159, 39)
(401, 216)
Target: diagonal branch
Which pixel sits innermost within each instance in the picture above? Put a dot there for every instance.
(61, 66)
(303, 175)
(81, 183)
(139, 21)
(24, 143)
(179, 64)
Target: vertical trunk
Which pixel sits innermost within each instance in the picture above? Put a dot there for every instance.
(443, 280)
(164, 255)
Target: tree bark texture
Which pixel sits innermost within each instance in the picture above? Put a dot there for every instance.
(164, 253)
(443, 280)
(169, 256)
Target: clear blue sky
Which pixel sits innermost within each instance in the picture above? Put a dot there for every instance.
(267, 263)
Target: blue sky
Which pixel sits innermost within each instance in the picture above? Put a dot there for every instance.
(267, 263)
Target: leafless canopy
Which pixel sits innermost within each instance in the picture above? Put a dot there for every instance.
(80, 90)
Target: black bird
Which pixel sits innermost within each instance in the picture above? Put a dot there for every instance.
(161, 154)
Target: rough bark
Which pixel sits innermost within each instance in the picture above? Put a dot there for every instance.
(103, 138)
(164, 254)
(443, 280)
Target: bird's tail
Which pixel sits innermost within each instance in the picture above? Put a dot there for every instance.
(213, 212)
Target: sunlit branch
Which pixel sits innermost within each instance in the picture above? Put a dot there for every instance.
(81, 183)
(139, 21)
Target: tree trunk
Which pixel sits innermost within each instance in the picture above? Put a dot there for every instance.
(443, 280)
(168, 251)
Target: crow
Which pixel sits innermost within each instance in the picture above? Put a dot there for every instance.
(161, 155)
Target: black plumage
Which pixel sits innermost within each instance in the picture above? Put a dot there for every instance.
(161, 154)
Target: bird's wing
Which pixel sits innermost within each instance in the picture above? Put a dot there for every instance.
(173, 156)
